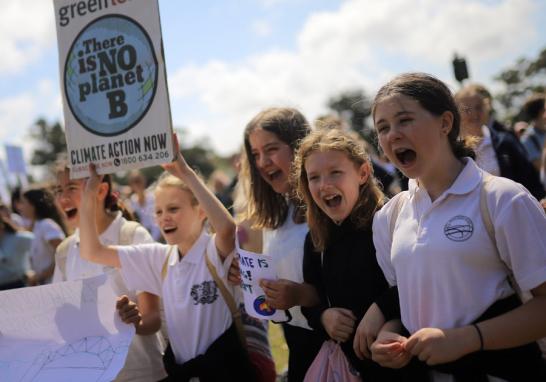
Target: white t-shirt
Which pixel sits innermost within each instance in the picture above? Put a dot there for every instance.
(442, 259)
(285, 246)
(146, 213)
(486, 158)
(195, 310)
(144, 361)
(42, 254)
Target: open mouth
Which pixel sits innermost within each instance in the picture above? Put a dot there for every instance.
(169, 230)
(274, 175)
(332, 201)
(70, 213)
(405, 156)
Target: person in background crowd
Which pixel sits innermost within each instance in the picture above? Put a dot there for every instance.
(144, 359)
(38, 205)
(519, 128)
(497, 152)
(142, 203)
(17, 217)
(14, 254)
(534, 136)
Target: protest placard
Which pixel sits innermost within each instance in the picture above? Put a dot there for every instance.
(113, 81)
(255, 267)
(66, 331)
(16, 162)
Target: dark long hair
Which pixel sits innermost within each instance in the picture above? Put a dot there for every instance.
(44, 206)
(268, 208)
(435, 97)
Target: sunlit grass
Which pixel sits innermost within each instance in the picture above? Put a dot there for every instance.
(278, 347)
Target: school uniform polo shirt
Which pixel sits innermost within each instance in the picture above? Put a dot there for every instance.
(195, 311)
(42, 254)
(442, 259)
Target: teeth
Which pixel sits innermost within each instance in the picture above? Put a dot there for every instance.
(329, 197)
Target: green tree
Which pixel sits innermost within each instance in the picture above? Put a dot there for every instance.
(524, 77)
(50, 142)
(355, 107)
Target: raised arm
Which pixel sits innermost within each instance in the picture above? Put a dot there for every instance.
(91, 249)
(219, 217)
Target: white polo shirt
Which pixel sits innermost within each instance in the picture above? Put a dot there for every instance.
(486, 158)
(42, 254)
(144, 360)
(285, 246)
(442, 259)
(195, 310)
(146, 213)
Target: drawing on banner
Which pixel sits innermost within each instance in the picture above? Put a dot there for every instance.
(68, 331)
(87, 360)
(113, 82)
(255, 267)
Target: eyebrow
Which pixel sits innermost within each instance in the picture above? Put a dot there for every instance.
(398, 114)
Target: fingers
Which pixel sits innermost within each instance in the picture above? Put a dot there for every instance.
(234, 273)
(127, 310)
(122, 301)
(358, 346)
(347, 313)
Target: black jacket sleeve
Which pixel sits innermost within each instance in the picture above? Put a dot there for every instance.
(312, 274)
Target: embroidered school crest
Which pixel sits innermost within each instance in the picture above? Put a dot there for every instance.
(204, 293)
(459, 228)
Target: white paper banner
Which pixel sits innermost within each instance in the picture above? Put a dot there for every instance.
(67, 331)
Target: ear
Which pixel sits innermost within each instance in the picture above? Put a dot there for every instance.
(364, 173)
(447, 122)
(102, 191)
(202, 213)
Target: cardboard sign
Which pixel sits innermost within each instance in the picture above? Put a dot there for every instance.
(255, 267)
(113, 82)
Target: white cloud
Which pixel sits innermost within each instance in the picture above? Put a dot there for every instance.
(26, 29)
(362, 44)
(262, 28)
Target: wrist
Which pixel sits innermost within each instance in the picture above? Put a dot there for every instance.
(473, 341)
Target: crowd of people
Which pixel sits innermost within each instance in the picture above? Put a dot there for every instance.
(422, 260)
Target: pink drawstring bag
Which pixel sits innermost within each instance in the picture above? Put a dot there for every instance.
(331, 365)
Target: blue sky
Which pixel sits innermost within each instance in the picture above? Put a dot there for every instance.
(226, 60)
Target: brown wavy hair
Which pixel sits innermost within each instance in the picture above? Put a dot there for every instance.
(265, 207)
(370, 198)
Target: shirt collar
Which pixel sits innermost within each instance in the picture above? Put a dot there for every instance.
(195, 254)
(469, 178)
(110, 235)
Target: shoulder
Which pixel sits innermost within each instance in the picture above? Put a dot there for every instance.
(24, 236)
(390, 209)
(502, 194)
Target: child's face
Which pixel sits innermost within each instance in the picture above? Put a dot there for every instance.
(272, 157)
(411, 137)
(178, 219)
(27, 209)
(68, 194)
(334, 182)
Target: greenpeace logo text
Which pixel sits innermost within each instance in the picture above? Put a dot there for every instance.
(83, 7)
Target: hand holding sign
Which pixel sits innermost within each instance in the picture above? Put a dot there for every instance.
(281, 293)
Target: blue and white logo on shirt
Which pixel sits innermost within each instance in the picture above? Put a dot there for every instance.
(459, 228)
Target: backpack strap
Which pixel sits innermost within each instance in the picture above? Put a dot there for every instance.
(228, 298)
(484, 210)
(127, 232)
(165, 265)
(488, 223)
(61, 253)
